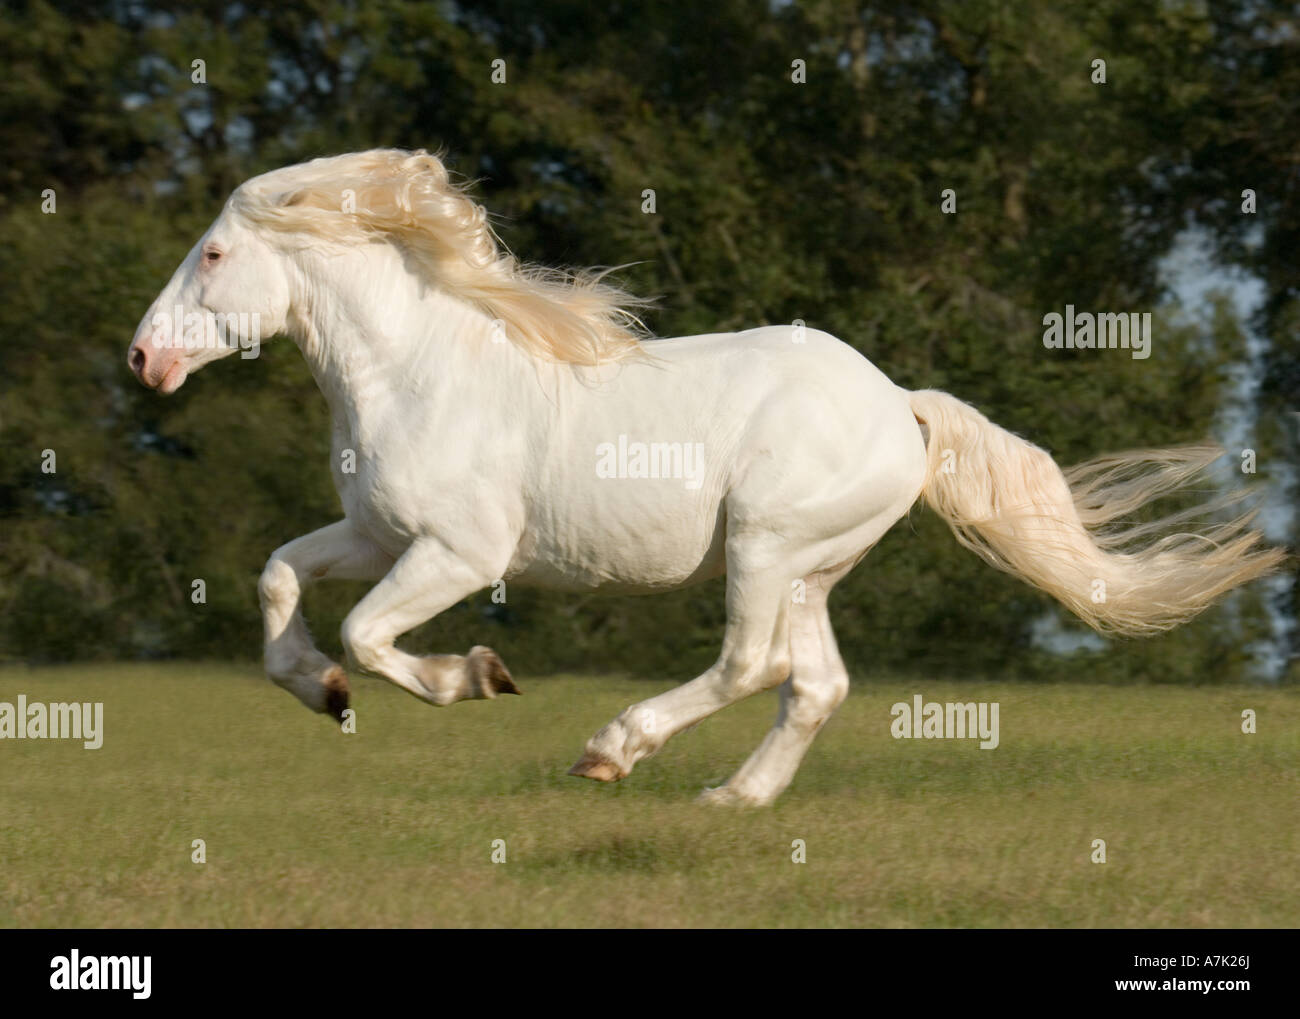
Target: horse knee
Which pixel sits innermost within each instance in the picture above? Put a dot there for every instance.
(278, 582)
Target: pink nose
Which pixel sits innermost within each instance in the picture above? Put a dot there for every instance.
(151, 363)
(158, 367)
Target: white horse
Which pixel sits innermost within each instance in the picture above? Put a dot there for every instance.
(496, 422)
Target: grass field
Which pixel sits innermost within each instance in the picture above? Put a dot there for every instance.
(393, 826)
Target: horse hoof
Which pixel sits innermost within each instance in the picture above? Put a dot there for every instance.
(489, 674)
(335, 682)
(597, 768)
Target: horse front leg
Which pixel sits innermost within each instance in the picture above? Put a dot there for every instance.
(338, 552)
(428, 579)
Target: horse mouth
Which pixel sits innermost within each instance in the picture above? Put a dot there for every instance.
(172, 379)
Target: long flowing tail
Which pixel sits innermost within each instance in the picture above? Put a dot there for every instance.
(1007, 501)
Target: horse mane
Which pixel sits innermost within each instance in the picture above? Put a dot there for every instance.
(410, 199)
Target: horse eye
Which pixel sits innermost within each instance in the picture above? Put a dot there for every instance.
(212, 256)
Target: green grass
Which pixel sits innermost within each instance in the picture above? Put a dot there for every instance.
(393, 826)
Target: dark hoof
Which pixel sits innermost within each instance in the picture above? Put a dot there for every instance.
(488, 673)
(336, 693)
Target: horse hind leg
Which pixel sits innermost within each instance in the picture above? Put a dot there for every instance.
(816, 688)
(755, 656)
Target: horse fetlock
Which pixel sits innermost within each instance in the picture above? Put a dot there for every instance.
(321, 685)
(480, 675)
(287, 661)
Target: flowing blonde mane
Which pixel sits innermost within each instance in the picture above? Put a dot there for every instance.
(409, 198)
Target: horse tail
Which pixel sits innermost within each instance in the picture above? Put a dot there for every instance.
(1006, 500)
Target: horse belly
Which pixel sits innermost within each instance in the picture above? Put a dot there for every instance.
(625, 544)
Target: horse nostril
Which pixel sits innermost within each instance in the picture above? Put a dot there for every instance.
(136, 361)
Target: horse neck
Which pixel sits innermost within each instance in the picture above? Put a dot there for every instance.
(374, 332)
